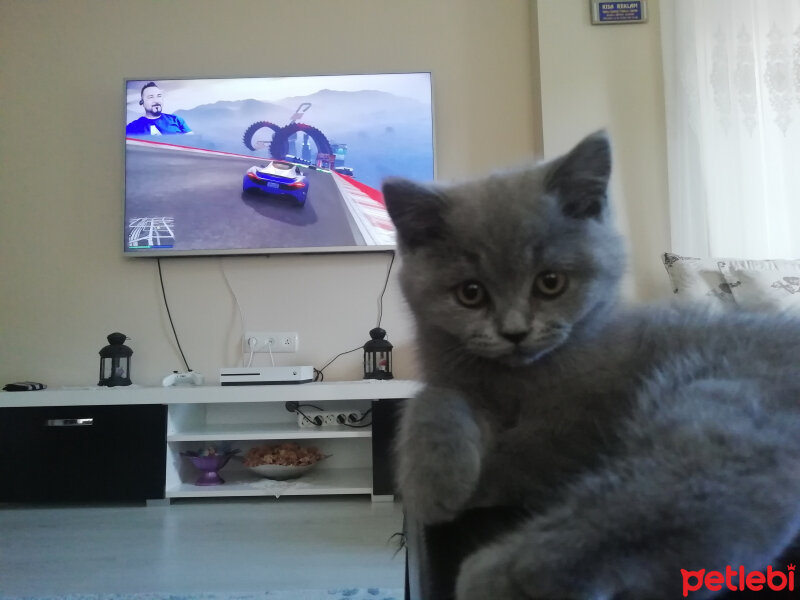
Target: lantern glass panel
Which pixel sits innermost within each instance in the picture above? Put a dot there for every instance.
(383, 362)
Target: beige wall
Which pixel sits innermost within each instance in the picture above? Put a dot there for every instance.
(609, 76)
(65, 285)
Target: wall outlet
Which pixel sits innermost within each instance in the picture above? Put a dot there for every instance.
(328, 418)
(271, 341)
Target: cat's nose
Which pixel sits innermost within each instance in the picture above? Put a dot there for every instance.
(515, 337)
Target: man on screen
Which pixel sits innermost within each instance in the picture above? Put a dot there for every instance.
(155, 121)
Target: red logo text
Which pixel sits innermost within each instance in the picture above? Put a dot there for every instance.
(738, 580)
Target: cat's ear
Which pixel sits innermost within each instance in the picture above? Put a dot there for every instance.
(417, 210)
(580, 178)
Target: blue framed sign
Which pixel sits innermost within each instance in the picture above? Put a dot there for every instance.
(616, 13)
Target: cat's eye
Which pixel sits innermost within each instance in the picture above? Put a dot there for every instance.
(471, 294)
(550, 284)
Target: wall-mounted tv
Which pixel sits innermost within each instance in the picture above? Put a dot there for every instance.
(262, 165)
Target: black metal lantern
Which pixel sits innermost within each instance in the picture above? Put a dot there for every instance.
(378, 356)
(115, 361)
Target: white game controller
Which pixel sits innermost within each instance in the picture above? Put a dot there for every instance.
(186, 378)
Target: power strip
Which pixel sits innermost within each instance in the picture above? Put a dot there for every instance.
(326, 418)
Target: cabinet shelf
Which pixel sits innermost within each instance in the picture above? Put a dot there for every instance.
(319, 482)
(265, 431)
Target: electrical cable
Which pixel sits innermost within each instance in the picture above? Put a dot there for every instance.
(251, 343)
(316, 420)
(292, 406)
(383, 291)
(318, 373)
(250, 360)
(236, 300)
(358, 426)
(364, 416)
(319, 376)
(166, 305)
(358, 422)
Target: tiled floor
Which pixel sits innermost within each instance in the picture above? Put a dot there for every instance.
(241, 545)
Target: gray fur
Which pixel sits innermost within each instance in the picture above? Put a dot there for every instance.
(642, 440)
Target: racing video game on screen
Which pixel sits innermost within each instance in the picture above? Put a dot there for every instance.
(270, 164)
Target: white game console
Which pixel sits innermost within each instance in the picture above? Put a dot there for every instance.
(265, 375)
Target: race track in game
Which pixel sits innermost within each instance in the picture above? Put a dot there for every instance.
(197, 192)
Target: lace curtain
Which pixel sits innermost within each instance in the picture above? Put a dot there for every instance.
(732, 86)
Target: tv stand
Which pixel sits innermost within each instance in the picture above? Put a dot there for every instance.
(246, 416)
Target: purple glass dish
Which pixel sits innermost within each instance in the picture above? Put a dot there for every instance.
(209, 466)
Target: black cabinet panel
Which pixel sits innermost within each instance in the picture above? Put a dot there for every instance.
(82, 453)
(385, 417)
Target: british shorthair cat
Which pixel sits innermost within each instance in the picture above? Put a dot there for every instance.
(644, 443)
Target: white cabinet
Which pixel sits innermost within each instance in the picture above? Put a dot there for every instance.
(249, 416)
(242, 425)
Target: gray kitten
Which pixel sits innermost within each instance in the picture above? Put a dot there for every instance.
(641, 441)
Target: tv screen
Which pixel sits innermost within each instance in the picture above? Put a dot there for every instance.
(270, 164)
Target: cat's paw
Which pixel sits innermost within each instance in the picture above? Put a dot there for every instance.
(507, 571)
(436, 489)
(486, 574)
(438, 456)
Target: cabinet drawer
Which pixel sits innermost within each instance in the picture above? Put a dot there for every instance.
(82, 453)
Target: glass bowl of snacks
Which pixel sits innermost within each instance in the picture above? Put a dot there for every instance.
(283, 461)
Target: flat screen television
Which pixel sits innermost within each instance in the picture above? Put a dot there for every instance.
(263, 165)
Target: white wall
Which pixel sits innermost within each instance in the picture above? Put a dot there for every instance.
(65, 285)
(609, 76)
